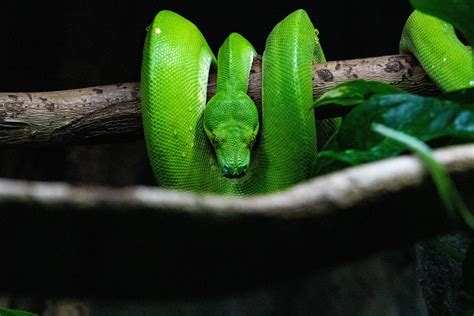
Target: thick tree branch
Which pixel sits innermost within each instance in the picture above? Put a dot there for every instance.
(141, 241)
(112, 113)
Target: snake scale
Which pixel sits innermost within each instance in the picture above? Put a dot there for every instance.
(224, 147)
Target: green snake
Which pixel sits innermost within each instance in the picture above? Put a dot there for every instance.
(224, 147)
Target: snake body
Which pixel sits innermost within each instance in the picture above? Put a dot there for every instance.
(175, 68)
(223, 146)
(448, 62)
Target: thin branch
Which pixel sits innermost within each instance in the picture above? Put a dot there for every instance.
(112, 113)
(141, 241)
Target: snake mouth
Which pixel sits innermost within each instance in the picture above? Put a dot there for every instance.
(234, 172)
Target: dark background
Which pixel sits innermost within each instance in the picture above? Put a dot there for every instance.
(75, 44)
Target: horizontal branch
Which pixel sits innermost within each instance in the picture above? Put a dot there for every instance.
(141, 241)
(112, 113)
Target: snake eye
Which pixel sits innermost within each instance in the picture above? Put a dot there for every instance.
(214, 141)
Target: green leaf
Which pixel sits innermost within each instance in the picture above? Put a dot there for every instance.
(354, 92)
(13, 312)
(423, 117)
(459, 13)
(446, 189)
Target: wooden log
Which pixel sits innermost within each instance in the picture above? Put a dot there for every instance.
(112, 113)
(144, 241)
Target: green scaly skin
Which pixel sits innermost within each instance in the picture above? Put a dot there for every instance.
(231, 117)
(208, 149)
(446, 60)
(175, 67)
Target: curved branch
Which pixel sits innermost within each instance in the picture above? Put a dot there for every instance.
(112, 113)
(159, 242)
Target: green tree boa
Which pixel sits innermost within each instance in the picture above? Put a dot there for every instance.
(224, 147)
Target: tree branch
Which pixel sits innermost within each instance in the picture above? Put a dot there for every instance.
(143, 241)
(112, 113)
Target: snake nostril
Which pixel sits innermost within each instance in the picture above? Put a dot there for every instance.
(234, 171)
(226, 170)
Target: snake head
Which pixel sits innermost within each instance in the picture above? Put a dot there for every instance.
(231, 124)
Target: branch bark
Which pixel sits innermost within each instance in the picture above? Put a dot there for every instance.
(143, 241)
(112, 113)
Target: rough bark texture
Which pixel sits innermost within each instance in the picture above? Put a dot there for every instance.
(441, 274)
(150, 241)
(71, 116)
(112, 113)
